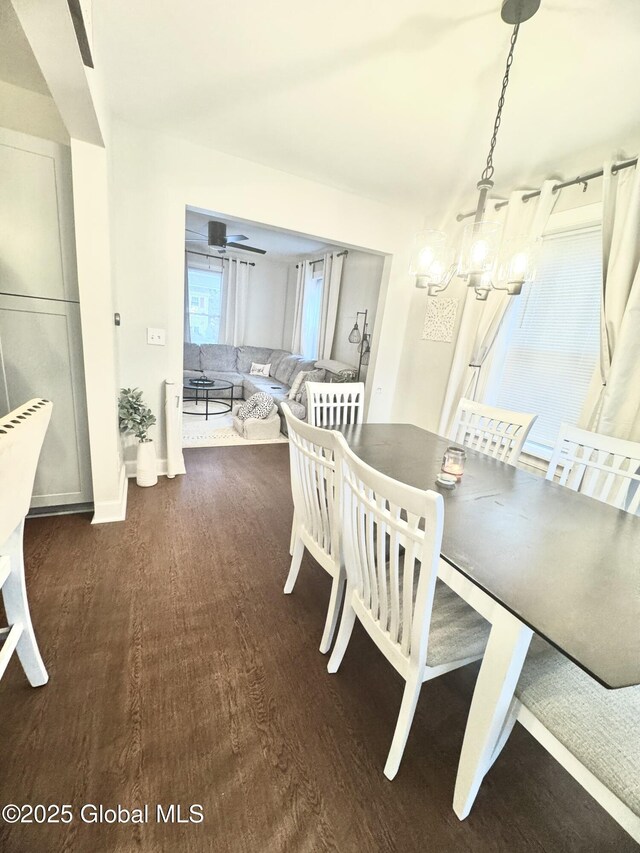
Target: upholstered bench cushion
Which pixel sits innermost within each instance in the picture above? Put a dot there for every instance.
(600, 727)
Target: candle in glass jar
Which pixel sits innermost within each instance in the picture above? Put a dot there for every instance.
(452, 466)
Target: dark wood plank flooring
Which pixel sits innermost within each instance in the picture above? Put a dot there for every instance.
(180, 673)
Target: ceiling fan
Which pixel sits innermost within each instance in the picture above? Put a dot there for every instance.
(217, 238)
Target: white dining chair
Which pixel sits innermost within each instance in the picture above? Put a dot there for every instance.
(599, 466)
(333, 404)
(21, 435)
(316, 502)
(391, 535)
(591, 731)
(500, 433)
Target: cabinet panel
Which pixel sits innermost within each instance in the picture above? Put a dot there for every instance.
(37, 249)
(41, 356)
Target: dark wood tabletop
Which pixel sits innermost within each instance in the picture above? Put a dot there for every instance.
(565, 564)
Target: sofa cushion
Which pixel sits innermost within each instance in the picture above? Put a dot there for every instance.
(253, 384)
(191, 357)
(303, 364)
(276, 357)
(247, 355)
(218, 357)
(191, 374)
(227, 376)
(286, 368)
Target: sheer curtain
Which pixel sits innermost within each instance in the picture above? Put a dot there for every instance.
(332, 277)
(235, 282)
(481, 321)
(187, 323)
(302, 272)
(617, 411)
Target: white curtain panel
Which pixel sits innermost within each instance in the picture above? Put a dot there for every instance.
(617, 412)
(481, 321)
(235, 283)
(187, 324)
(302, 270)
(332, 275)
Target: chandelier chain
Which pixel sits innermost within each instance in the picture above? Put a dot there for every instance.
(487, 174)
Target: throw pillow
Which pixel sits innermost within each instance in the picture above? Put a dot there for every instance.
(258, 406)
(315, 375)
(260, 369)
(297, 384)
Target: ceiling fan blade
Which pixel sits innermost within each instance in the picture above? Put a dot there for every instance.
(235, 237)
(199, 240)
(191, 231)
(247, 248)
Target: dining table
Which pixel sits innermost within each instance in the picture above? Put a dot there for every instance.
(531, 556)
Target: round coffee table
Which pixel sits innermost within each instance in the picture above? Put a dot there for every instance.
(207, 391)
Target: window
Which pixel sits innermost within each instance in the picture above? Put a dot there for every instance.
(312, 312)
(551, 342)
(205, 305)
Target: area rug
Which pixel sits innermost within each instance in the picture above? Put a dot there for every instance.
(218, 431)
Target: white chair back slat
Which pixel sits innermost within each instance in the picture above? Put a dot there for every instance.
(313, 482)
(22, 433)
(599, 466)
(334, 404)
(498, 433)
(381, 517)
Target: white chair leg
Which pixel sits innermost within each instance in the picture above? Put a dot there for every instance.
(489, 715)
(335, 599)
(344, 635)
(296, 560)
(294, 528)
(403, 726)
(14, 594)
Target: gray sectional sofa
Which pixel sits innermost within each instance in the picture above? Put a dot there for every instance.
(233, 364)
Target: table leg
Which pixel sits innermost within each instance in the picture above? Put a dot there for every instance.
(206, 405)
(489, 713)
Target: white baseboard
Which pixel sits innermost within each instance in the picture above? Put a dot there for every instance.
(105, 512)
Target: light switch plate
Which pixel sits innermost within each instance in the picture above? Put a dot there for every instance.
(156, 337)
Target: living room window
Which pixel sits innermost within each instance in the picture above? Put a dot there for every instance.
(312, 311)
(549, 348)
(205, 305)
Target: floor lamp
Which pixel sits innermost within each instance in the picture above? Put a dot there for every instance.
(363, 339)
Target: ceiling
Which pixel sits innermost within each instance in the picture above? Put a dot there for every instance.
(392, 100)
(280, 245)
(17, 63)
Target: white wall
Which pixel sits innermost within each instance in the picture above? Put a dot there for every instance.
(30, 112)
(359, 291)
(155, 177)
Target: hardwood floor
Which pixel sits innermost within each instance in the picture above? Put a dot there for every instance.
(180, 673)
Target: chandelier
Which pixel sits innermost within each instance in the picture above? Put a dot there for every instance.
(483, 260)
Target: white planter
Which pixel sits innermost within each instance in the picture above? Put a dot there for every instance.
(146, 469)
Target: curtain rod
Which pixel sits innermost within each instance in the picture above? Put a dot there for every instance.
(319, 260)
(580, 179)
(218, 257)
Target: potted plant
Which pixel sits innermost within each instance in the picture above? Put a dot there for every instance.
(136, 419)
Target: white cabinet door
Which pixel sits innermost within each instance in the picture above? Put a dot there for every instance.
(37, 244)
(41, 356)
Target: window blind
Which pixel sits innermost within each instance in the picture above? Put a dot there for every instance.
(554, 335)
